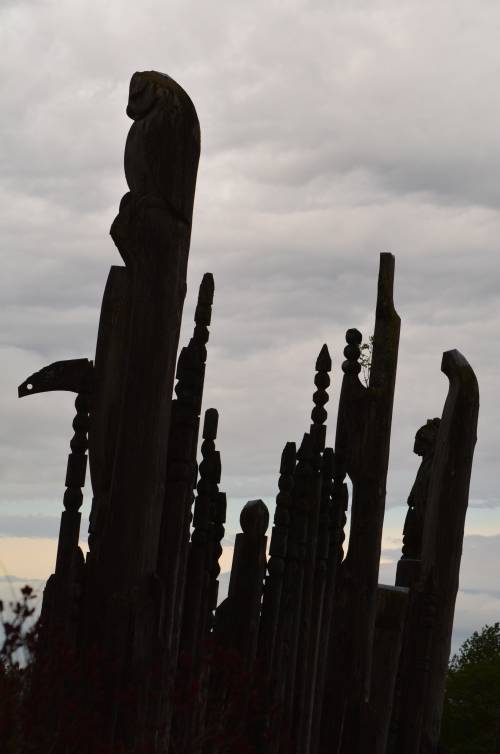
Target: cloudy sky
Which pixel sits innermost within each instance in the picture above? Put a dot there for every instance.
(331, 131)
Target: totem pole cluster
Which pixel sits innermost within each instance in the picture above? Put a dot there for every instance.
(308, 654)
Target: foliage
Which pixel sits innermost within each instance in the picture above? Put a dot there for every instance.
(365, 360)
(27, 712)
(16, 655)
(472, 700)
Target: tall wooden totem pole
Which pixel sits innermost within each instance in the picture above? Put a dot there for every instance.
(129, 596)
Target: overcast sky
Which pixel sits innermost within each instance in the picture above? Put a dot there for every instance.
(331, 131)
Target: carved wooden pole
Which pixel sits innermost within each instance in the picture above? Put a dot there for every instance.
(181, 460)
(416, 719)
(319, 593)
(237, 617)
(273, 589)
(61, 606)
(413, 660)
(58, 611)
(276, 564)
(444, 527)
(203, 720)
(196, 618)
(408, 570)
(283, 651)
(362, 444)
(110, 370)
(180, 483)
(337, 520)
(237, 626)
(305, 478)
(152, 232)
(217, 532)
(197, 575)
(306, 671)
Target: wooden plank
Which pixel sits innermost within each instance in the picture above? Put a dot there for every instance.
(392, 605)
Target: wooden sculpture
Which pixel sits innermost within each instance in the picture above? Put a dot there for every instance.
(308, 654)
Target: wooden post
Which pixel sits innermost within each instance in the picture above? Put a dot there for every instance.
(195, 619)
(237, 617)
(426, 649)
(273, 587)
(408, 570)
(176, 517)
(329, 556)
(181, 461)
(310, 615)
(60, 614)
(392, 605)
(197, 575)
(362, 446)
(236, 629)
(291, 616)
(110, 370)
(152, 233)
(444, 525)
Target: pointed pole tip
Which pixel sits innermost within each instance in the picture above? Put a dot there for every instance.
(207, 287)
(324, 361)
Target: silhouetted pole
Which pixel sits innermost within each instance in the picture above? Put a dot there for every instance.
(180, 483)
(237, 627)
(362, 445)
(408, 570)
(268, 651)
(310, 613)
(424, 664)
(327, 559)
(444, 526)
(60, 624)
(110, 368)
(392, 607)
(195, 618)
(152, 232)
(60, 608)
(291, 612)
(414, 659)
(273, 588)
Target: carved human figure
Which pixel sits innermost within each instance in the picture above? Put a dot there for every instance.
(424, 446)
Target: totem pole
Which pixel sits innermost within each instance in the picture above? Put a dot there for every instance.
(362, 451)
